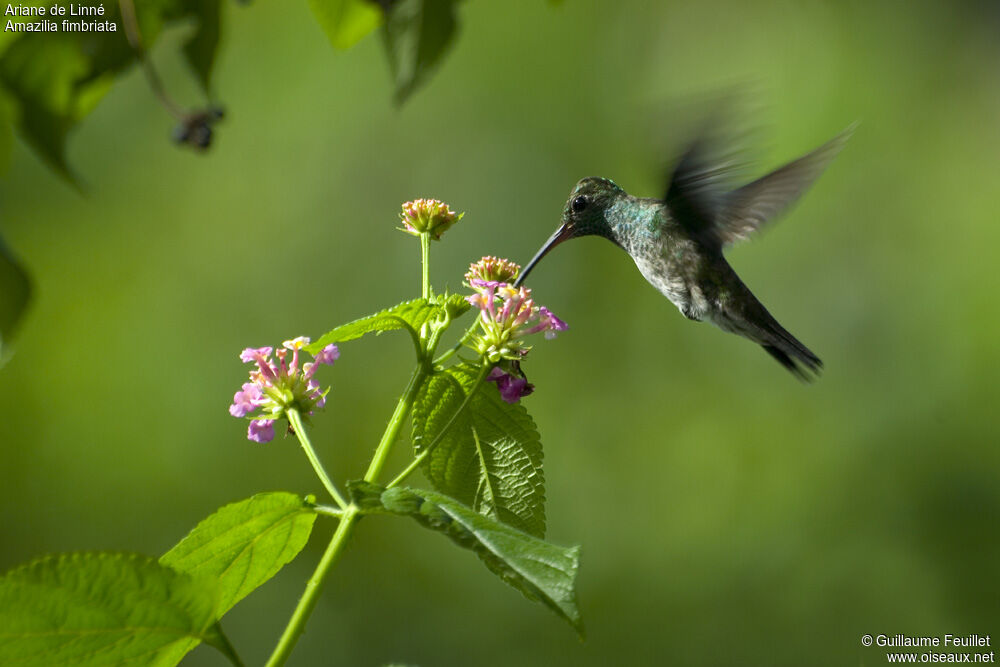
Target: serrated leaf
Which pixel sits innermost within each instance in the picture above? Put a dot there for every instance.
(490, 458)
(15, 292)
(345, 22)
(454, 304)
(103, 609)
(244, 544)
(417, 34)
(540, 570)
(409, 314)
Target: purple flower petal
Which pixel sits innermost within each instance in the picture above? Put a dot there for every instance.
(246, 400)
(328, 355)
(316, 393)
(479, 282)
(551, 322)
(254, 353)
(512, 389)
(261, 430)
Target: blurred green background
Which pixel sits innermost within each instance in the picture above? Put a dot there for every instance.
(729, 515)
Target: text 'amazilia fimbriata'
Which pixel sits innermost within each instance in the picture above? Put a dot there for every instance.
(677, 242)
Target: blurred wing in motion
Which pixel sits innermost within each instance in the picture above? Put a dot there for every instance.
(746, 209)
(699, 195)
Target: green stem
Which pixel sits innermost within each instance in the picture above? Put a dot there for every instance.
(297, 624)
(396, 422)
(295, 419)
(415, 463)
(227, 647)
(425, 263)
(335, 512)
(458, 346)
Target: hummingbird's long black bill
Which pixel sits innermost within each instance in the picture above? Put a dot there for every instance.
(564, 232)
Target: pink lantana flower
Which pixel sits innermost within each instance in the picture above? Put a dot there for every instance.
(280, 384)
(507, 315)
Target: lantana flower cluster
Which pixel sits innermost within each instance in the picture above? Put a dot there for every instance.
(276, 386)
(428, 215)
(507, 314)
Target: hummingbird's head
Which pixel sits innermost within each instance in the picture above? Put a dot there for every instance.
(585, 214)
(586, 209)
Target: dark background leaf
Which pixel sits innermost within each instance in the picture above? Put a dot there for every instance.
(15, 292)
(417, 34)
(57, 78)
(202, 47)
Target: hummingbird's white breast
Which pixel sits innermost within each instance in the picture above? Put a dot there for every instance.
(687, 296)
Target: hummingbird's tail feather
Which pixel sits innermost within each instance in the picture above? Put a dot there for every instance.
(738, 311)
(791, 353)
(789, 363)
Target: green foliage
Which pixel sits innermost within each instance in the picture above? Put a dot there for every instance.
(15, 291)
(417, 34)
(490, 458)
(346, 21)
(244, 544)
(57, 78)
(409, 315)
(543, 572)
(241, 546)
(54, 79)
(201, 48)
(104, 609)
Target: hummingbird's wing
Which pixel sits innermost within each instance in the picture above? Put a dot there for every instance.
(700, 195)
(746, 209)
(700, 182)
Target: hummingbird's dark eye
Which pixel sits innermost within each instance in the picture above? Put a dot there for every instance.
(579, 204)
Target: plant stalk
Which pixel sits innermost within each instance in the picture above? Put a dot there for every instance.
(425, 264)
(396, 421)
(297, 624)
(295, 419)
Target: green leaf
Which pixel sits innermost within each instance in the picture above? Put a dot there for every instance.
(244, 544)
(490, 458)
(454, 304)
(7, 115)
(54, 85)
(57, 78)
(201, 48)
(541, 571)
(103, 609)
(241, 546)
(15, 291)
(407, 315)
(346, 21)
(417, 34)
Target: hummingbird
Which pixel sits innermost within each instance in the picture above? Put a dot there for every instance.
(677, 242)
